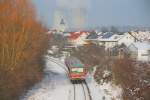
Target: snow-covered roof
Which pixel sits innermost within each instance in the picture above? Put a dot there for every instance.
(76, 35)
(109, 36)
(92, 36)
(141, 45)
(141, 35)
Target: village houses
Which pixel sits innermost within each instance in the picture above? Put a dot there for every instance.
(110, 40)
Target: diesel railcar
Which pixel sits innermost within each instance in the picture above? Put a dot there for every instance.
(77, 70)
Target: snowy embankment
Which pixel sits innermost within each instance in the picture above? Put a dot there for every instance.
(56, 85)
(105, 91)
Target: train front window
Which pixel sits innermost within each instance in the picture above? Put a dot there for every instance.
(77, 70)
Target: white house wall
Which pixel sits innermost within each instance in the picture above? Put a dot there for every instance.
(107, 44)
(143, 55)
(110, 44)
(139, 54)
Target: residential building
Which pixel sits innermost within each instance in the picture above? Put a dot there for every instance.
(140, 51)
(119, 51)
(110, 40)
(78, 38)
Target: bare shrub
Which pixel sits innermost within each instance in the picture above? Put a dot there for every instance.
(90, 55)
(133, 77)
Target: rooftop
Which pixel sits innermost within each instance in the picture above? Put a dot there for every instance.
(109, 36)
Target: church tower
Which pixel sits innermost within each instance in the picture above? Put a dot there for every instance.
(70, 14)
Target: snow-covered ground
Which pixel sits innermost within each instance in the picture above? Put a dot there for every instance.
(56, 85)
(106, 91)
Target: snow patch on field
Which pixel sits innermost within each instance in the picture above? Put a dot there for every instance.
(111, 91)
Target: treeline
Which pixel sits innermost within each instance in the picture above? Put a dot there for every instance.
(22, 44)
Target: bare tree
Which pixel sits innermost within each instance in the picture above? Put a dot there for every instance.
(22, 43)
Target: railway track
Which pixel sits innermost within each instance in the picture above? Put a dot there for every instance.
(60, 64)
(81, 92)
(78, 89)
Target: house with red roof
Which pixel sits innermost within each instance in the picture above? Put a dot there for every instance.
(78, 38)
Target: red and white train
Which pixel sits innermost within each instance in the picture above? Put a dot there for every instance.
(77, 70)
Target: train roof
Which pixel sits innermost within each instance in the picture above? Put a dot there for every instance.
(74, 62)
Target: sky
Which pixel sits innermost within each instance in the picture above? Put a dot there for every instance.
(101, 12)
